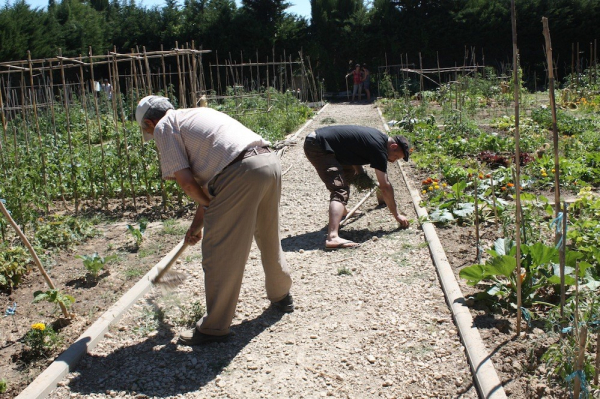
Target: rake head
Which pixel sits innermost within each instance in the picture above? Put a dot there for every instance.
(170, 280)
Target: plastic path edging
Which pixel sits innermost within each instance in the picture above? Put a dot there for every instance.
(486, 379)
(66, 362)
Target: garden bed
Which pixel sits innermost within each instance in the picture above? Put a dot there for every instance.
(92, 296)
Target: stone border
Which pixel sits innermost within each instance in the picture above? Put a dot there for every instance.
(486, 379)
(47, 381)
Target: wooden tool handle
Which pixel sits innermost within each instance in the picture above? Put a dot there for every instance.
(165, 269)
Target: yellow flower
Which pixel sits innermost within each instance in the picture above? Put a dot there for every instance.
(444, 184)
(38, 326)
(424, 192)
(544, 174)
(553, 170)
(430, 188)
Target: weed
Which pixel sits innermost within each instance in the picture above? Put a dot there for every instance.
(173, 227)
(344, 271)
(190, 314)
(133, 272)
(149, 320)
(3, 385)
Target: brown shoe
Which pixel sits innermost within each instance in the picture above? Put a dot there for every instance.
(195, 337)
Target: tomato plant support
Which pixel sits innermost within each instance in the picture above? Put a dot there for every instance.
(39, 134)
(517, 163)
(118, 105)
(87, 127)
(68, 128)
(102, 155)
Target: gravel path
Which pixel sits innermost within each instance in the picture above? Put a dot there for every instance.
(369, 322)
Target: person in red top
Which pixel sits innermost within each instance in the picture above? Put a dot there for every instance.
(357, 79)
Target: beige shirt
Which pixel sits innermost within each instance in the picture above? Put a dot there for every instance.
(202, 139)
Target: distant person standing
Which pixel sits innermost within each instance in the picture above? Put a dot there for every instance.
(356, 78)
(366, 81)
(107, 88)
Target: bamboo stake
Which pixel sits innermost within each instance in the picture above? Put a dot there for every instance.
(494, 199)
(24, 113)
(141, 136)
(102, 155)
(597, 358)
(181, 95)
(36, 259)
(561, 258)
(4, 128)
(70, 142)
(113, 104)
(37, 129)
(476, 179)
(517, 163)
(119, 105)
(148, 72)
(53, 120)
(558, 234)
(580, 359)
(194, 79)
(353, 210)
(87, 128)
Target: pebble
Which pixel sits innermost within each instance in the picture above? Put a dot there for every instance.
(371, 359)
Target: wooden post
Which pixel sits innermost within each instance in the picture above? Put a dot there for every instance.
(517, 164)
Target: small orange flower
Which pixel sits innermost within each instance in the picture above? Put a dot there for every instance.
(510, 185)
(503, 188)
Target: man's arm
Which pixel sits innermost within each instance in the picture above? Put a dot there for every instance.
(186, 181)
(388, 196)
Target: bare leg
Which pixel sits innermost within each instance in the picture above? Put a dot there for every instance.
(336, 213)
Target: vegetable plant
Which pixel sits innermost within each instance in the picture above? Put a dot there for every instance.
(54, 296)
(138, 233)
(94, 263)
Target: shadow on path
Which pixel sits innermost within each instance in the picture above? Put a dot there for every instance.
(158, 367)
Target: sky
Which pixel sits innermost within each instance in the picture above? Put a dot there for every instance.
(299, 7)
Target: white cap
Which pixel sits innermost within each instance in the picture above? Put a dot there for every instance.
(143, 106)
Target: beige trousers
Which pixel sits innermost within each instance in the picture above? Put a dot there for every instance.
(245, 206)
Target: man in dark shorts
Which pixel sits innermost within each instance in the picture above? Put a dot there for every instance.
(337, 152)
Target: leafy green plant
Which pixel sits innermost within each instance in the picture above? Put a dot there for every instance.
(63, 231)
(539, 272)
(94, 263)
(54, 296)
(3, 385)
(40, 341)
(138, 233)
(344, 271)
(15, 262)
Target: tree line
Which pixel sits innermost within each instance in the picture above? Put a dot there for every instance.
(384, 32)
